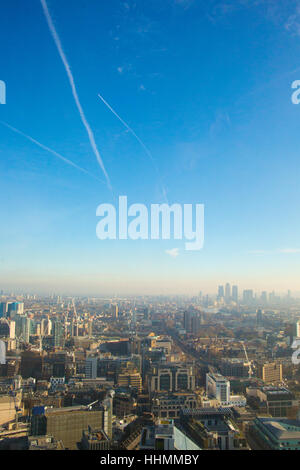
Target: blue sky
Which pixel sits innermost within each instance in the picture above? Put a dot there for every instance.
(206, 85)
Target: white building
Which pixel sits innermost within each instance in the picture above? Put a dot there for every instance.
(218, 387)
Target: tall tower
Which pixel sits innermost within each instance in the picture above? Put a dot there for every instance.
(227, 292)
(235, 294)
(220, 292)
(114, 310)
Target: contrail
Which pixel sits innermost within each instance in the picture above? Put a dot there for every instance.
(73, 87)
(137, 138)
(56, 154)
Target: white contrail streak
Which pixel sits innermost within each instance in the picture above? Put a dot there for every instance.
(137, 138)
(56, 154)
(73, 87)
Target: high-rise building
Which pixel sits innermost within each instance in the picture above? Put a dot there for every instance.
(220, 292)
(26, 328)
(58, 334)
(248, 296)
(15, 308)
(297, 329)
(12, 329)
(114, 310)
(31, 365)
(227, 292)
(264, 297)
(259, 317)
(192, 320)
(235, 294)
(46, 327)
(3, 309)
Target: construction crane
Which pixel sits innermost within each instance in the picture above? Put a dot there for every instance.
(250, 371)
(41, 342)
(90, 405)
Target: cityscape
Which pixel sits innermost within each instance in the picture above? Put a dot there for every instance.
(149, 241)
(159, 373)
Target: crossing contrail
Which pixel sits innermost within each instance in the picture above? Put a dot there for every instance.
(73, 88)
(137, 138)
(56, 154)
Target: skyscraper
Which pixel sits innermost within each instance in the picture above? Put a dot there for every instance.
(220, 292)
(114, 310)
(235, 294)
(259, 317)
(227, 292)
(91, 367)
(58, 334)
(248, 296)
(3, 309)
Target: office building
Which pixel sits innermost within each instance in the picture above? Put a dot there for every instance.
(31, 364)
(114, 311)
(91, 367)
(248, 296)
(270, 372)
(227, 292)
(67, 424)
(171, 377)
(3, 309)
(58, 334)
(130, 379)
(221, 294)
(218, 387)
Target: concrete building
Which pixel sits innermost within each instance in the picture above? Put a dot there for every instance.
(278, 402)
(234, 367)
(172, 377)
